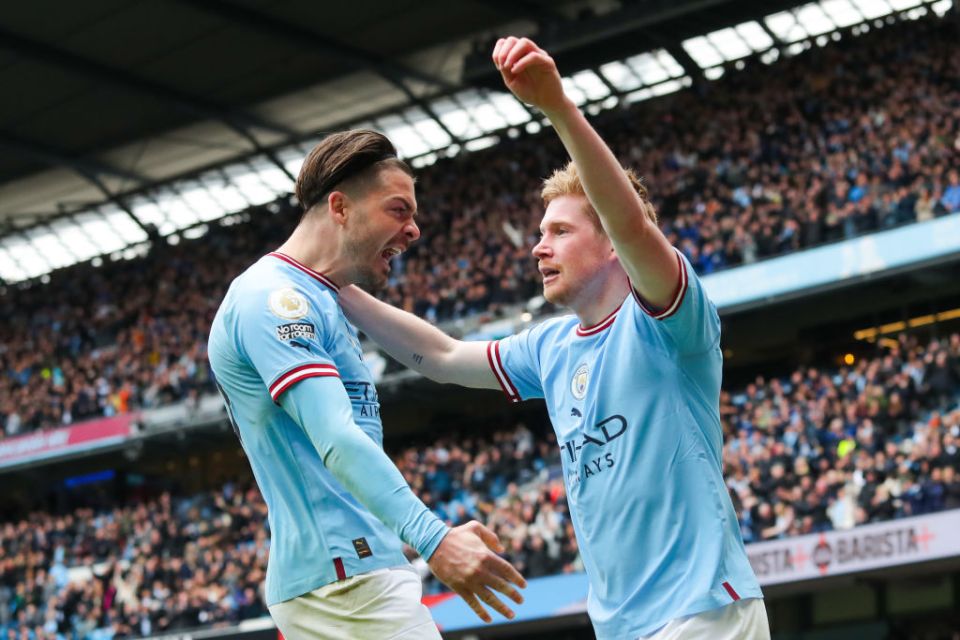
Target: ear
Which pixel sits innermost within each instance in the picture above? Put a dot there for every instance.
(338, 203)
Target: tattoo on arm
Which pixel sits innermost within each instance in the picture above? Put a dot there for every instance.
(418, 358)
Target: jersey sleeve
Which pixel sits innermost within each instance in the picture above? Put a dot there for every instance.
(323, 411)
(691, 319)
(283, 334)
(515, 361)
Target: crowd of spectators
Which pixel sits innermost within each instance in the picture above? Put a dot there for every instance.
(859, 135)
(173, 563)
(160, 565)
(813, 451)
(822, 450)
(514, 486)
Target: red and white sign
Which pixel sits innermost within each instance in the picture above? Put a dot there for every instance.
(871, 546)
(66, 440)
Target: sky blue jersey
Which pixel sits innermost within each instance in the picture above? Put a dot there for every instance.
(306, 411)
(634, 401)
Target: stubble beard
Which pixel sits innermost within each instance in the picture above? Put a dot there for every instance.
(366, 276)
(556, 297)
(369, 281)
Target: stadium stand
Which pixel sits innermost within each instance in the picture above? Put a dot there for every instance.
(854, 137)
(812, 451)
(769, 160)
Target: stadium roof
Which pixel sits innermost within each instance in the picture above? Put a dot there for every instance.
(131, 115)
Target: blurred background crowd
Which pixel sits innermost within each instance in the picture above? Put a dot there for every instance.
(854, 137)
(815, 450)
(861, 135)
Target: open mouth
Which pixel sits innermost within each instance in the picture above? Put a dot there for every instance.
(388, 254)
(549, 274)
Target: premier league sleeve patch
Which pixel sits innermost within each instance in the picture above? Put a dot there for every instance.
(288, 303)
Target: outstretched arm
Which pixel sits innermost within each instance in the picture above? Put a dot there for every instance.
(418, 344)
(465, 558)
(645, 253)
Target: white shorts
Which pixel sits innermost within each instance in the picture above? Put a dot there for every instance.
(740, 620)
(380, 605)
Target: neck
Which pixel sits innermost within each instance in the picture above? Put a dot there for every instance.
(602, 300)
(304, 246)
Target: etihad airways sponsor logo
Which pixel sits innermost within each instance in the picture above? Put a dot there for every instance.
(594, 462)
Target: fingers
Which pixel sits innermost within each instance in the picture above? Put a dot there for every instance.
(505, 570)
(504, 587)
(495, 564)
(485, 572)
(474, 604)
(509, 50)
(530, 59)
(501, 49)
(489, 537)
(473, 598)
(497, 48)
(494, 603)
(520, 48)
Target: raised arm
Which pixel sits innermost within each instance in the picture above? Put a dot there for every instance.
(418, 344)
(645, 253)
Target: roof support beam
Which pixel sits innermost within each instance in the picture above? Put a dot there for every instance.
(605, 80)
(60, 158)
(89, 170)
(675, 49)
(122, 204)
(777, 42)
(268, 153)
(125, 80)
(268, 24)
(427, 109)
(689, 64)
(396, 74)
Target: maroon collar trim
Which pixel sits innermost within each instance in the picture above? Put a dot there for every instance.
(316, 275)
(600, 326)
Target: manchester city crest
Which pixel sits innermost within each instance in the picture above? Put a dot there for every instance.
(578, 386)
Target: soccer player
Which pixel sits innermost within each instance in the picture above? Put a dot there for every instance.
(631, 381)
(305, 409)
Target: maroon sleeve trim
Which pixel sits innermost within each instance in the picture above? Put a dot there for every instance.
(677, 300)
(496, 365)
(295, 375)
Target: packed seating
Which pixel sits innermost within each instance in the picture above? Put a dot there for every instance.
(160, 565)
(860, 135)
(822, 450)
(815, 450)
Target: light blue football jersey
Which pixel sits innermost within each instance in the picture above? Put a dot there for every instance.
(280, 325)
(634, 401)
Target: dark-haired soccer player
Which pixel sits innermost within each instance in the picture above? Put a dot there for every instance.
(631, 381)
(305, 408)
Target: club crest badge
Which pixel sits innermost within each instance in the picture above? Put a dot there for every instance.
(578, 386)
(287, 303)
